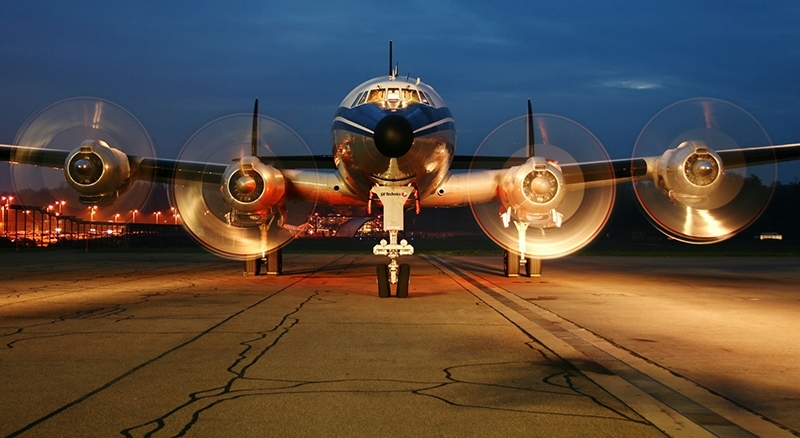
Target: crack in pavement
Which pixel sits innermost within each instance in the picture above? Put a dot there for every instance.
(520, 387)
(160, 356)
(99, 282)
(597, 361)
(18, 333)
(454, 388)
(208, 398)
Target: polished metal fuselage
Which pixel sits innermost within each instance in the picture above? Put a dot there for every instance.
(360, 164)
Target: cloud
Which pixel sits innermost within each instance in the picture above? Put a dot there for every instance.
(633, 84)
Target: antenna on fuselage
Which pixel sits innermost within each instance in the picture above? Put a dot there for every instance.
(392, 68)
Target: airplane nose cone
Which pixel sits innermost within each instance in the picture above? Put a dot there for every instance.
(393, 136)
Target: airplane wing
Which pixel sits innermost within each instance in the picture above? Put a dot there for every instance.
(623, 168)
(232, 223)
(688, 191)
(158, 170)
(691, 193)
(33, 156)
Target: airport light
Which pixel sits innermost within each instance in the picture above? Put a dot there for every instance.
(6, 201)
(93, 210)
(116, 216)
(25, 225)
(157, 214)
(133, 221)
(60, 205)
(11, 198)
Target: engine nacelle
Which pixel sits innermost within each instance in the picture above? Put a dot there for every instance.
(533, 191)
(251, 187)
(98, 172)
(689, 173)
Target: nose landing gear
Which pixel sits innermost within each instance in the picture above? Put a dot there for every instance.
(393, 198)
(393, 273)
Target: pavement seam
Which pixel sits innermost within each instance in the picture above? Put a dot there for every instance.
(746, 418)
(602, 372)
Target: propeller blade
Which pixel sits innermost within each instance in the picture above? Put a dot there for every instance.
(215, 223)
(530, 196)
(63, 126)
(254, 132)
(737, 199)
(530, 134)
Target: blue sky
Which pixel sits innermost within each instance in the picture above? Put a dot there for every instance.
(610, 65)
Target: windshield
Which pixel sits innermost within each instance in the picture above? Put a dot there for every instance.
(392, 97)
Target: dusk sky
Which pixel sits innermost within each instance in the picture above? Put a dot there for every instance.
(610, 66)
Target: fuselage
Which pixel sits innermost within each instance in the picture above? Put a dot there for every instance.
(392, 131)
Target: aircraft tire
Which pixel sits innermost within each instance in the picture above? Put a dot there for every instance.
(404, 274)
(510, 264)
(383, 281)
(533, 267)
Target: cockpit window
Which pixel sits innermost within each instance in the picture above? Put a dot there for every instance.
(357, 100)
(410, 95)
(392, 97)
(376, 95)
(425, 98)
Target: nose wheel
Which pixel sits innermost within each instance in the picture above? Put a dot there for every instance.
(402, 276)
(393, 273)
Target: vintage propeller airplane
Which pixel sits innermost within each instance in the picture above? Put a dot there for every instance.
(540, 186)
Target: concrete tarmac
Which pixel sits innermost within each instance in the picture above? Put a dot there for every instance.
(155, 344)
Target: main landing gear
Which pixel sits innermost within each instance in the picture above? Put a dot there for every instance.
(515, 263)
(271, 263)
(514, 266)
